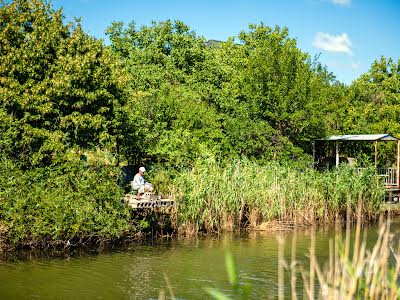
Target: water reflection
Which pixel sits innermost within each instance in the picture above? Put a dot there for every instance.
(139, 271)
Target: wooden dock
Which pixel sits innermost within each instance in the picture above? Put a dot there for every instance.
(148, 200)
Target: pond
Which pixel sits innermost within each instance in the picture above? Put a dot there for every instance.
(186, 267)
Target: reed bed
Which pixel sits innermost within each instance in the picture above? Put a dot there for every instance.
(215, 197)
(356, 273)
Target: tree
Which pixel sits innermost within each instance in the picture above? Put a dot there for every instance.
(259, 98)
(164, 117)
(376, 95)
(271, 93)
(58, 88)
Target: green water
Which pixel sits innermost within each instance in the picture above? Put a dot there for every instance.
(141, 271)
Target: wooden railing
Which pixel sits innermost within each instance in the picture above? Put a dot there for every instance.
(389, 176)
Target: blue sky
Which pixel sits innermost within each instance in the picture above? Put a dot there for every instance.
(348, 34)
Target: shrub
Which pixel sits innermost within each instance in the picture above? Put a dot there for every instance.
(61, 202)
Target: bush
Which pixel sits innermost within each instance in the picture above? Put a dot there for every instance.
(61, 202)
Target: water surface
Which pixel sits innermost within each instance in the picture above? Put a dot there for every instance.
(140, 271)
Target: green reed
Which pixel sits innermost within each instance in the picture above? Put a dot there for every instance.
(215, 197)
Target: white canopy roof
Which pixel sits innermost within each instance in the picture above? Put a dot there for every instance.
(362, 137)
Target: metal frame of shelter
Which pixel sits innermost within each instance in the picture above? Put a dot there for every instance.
(394, 172)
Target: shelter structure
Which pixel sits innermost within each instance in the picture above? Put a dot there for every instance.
(390, 174)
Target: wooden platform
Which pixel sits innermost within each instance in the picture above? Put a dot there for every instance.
(391, 207)
(148, 200)
(393, 195)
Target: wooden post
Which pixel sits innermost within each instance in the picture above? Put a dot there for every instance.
(337, 153)
(398, 164)
(313, 154)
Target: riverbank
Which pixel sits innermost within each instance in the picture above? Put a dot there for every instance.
(75, 204)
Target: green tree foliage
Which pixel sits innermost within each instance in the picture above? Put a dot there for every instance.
(158, 93)
(57, 85)
(259, 97)
(370, 105)
(274, 95)
(164, 118)
(375, 98)
(60, 93)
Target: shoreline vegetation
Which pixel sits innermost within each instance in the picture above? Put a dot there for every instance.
(216, 197)
(225, 128)
(78, 204)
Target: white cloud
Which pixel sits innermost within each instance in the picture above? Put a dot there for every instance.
(333, 43)
(355, 65)
(341, 2)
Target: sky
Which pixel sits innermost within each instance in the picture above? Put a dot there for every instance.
(348, 35)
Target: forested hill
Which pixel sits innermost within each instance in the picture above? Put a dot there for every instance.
(161, 92)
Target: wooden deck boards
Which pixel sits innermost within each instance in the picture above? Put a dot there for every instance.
(148, 201)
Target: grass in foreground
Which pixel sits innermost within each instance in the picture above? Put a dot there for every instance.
(356, 274)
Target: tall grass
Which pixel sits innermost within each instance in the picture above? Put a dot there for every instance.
(215, 197)
(357, 273)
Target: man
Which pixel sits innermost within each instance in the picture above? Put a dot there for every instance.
(139, 184)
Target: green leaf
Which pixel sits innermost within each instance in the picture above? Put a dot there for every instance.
(216, 294)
